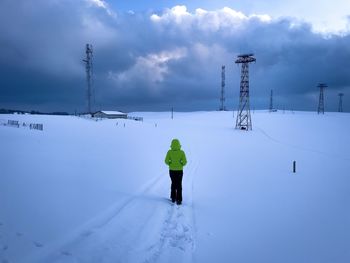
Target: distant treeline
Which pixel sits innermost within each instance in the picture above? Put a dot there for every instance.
(6, 111)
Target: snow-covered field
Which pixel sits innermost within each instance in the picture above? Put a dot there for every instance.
(97, 191)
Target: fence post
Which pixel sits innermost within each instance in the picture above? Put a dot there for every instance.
(294, 166)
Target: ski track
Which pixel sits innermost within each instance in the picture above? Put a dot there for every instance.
(145, 228)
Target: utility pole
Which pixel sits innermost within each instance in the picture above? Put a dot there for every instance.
(271, 101)
(340, 108)
(89, 72)
(321, 98)
(222, 98)
(172, 112)
(243, 121)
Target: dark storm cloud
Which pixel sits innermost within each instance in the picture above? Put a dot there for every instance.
(150, 61)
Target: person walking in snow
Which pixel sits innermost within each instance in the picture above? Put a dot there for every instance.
(176, 160)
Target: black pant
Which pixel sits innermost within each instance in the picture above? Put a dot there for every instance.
(176, 185)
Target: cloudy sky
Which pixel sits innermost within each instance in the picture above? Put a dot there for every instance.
(152, 55)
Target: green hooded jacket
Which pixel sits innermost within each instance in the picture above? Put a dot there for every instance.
(175, 158)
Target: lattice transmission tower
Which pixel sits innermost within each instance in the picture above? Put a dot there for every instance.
(321, 98)
(244, 121)
(89, 73)
(222, 97)
(340, 108)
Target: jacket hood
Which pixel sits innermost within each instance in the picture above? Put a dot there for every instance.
(175, 144)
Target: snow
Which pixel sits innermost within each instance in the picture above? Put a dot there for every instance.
(97, 191)
(112, 112)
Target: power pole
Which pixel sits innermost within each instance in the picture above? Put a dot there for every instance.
(172, 112)
(340, 108)
(271, 101)
(222, 98)
(89, 72)
(243, 121)
(321, 98)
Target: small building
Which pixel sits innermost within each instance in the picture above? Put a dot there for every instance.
(110, 115)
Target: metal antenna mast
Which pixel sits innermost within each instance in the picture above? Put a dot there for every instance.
(243, 120)
(88, 69)
(222, 98)
(271, 101)
(340, 109)
(321, 98)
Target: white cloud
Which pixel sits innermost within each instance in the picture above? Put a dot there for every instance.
(151, 68)
(226, 17)
(177, 14)
(325, 16)
(93, 26)
(262, 18)
(99, 3)
(102, 4)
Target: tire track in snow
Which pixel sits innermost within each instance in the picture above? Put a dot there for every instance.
(120, 208)
(123, 235)
(90, 229)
